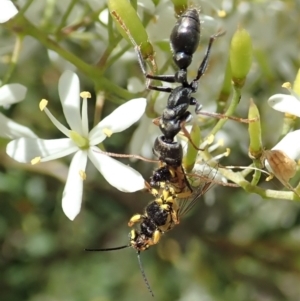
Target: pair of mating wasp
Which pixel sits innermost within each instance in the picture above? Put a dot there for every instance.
(174, 193)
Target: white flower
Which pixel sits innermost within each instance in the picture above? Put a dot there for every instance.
(290, 145)
(83, 143)
(142, 140)
(10, 94)
(286, 103)
(7, 10)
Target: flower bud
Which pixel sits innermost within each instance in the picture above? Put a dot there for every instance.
(296, 86)
(254, 129)
(240, 56)
(191, 155)
(226, 89)
(130, 26)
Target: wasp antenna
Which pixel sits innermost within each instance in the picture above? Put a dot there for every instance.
(125, 156)
(144, 275)
(108, 249)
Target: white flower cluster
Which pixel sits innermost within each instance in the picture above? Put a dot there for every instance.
(289, 104)
(28, 148)
(7, 10)
(81, 142)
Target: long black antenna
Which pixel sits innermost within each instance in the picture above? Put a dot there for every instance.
(108, 249)
(143, 274)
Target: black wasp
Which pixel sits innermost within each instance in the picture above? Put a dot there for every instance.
(174, 193)
(160, 216)
(184, 41)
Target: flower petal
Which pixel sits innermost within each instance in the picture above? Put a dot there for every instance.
(119, 120)
(13, 130)
(7, 11)
(69, 89)
(72, 195)
(12, 93)
(285, 103)
(117, 174)
(290, 145)
(24, 150)
(143, 138)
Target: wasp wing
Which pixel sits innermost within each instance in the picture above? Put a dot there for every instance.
(200, 180)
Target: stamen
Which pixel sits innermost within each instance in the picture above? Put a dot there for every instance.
(210, 139)
(82, 175)
(107, 132)
(220, 156)
(85, 94)
(35, 160)
(287, 85)
(290, 116)
(222, 13)
(220, 142)
(43, 104)
(60, 126)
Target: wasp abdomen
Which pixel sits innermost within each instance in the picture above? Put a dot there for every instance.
(169, 152)
(185, 38)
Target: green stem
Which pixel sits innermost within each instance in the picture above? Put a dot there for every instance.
(65, 16)
(48, 12)
(25, 7)
(231, 109)
(14, 59)
(267, 194)
(22, 26)
(257, 173)
(115, 57)
(288, 125)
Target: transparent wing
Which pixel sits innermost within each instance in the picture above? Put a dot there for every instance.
(200, 180)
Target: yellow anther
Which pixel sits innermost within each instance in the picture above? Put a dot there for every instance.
(107, 132)
(35, 160)
(222, 13)
(85, 94)
(221, 142)
(290, 116)
(43, 104)
(210, 139)
(227, 153)
(82, 175)
(287, 85)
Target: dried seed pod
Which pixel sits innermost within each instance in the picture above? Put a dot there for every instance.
(283, 167)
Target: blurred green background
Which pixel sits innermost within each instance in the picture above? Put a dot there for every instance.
(233, 246)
